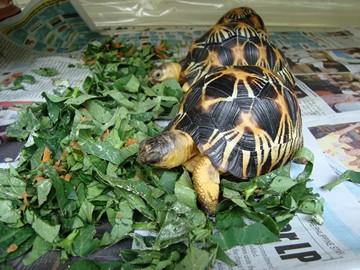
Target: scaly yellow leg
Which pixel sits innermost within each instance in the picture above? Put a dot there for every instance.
(191, 164)
(206, 181)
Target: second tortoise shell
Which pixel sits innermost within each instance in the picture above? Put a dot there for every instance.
(234, 43)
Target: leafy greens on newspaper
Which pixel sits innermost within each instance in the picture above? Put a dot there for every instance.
(78, 169)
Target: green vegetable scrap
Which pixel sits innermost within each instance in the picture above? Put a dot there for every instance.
(18, 82)
(78, 169)
(45, 71)
(345, 176)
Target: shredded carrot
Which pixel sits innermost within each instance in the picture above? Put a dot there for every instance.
(63, 155)
(26, 202)
(84, 119)
(59, 168)
(160, 47)
(131, 51)
(67, 177)
(57, 163)
(130, 142)
(75, 145)
(12, 248)
(106, 134)
(160, 51)
(89, 61)
(116, 45)
(162, 55)
(38, 178)
(46, 155)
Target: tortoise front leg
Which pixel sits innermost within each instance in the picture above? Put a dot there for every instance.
(206, 181)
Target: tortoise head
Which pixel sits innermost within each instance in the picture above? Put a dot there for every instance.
(153, 151)
(165, 71)
(168, 150)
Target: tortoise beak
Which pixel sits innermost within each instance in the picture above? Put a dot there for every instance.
(149, 152)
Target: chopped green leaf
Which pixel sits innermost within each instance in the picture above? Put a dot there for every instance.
(281, 184)
(348, 175)
(43, 190)
(45, 71)
(8, 213)
(11, 186)
(84, 243)
(47, 231)
(23, 78)
(255, 233)
(106, 151)
(194, 260)
(40, 247)
(184, 191)
(128, 83)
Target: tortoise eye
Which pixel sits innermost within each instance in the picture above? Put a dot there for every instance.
(157, 74)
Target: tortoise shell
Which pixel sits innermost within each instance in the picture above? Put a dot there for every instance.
(243, 14)
(230, 44)
(244, 118)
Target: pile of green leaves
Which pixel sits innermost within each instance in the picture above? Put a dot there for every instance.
(92, 177)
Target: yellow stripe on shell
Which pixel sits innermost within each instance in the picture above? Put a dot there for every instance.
(218, 33)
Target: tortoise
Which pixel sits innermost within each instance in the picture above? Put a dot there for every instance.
(239, 120)
(226, 44)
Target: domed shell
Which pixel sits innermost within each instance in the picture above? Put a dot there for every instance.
(230, 44)
(243, 14)
(243, 118)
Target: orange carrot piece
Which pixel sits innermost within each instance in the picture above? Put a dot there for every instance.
(106, 134)
(67, 177)
(131, 51)
(26, 202)
(116, 45)
(38, 178)
(62, 157)
(59, 168)
(130, 142)
(75, 145)
(84, 119)
(46, 155)
(12, 248)
(160, 47)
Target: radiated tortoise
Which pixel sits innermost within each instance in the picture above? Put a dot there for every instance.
(240, 120)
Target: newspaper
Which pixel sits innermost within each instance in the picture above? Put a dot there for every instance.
(70, 72)
(43, 29)
(50, 26)
(327, 70)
